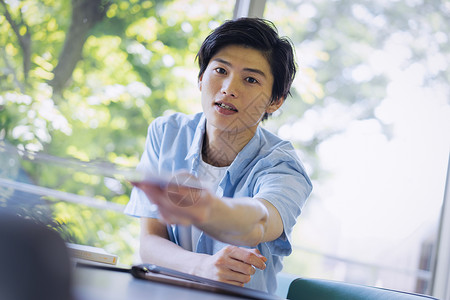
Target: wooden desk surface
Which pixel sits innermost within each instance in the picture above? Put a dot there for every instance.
(95, 284)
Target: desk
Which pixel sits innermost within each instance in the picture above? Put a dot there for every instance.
(95, 284)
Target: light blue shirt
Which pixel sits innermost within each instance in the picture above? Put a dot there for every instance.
(267, 168)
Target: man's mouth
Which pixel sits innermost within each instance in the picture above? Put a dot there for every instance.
(226, 106)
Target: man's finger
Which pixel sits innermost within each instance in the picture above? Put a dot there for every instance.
(231, 275)
(240, 266)
(247, 256)
(256, 251)
(251, 258)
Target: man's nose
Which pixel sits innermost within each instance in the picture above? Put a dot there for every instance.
(230, 87)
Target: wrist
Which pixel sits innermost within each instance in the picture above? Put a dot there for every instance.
(212, 212)
(197, 264)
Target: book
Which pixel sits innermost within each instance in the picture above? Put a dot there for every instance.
(91, 253)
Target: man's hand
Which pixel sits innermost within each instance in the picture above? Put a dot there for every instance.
(232, 265)
(182, 201)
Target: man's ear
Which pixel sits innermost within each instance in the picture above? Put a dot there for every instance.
(200, 82)
(274, 106)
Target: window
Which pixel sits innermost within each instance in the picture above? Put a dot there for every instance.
(91, 99)
(370, 116)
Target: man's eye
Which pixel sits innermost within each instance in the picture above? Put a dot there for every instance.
(251, 80)
(220, 70)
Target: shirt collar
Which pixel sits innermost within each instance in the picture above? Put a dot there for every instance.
(242, 160)
(196, 146)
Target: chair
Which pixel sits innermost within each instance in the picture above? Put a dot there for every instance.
(320, 289)
(34, 261)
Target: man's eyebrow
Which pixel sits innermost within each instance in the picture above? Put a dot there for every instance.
(245, 69)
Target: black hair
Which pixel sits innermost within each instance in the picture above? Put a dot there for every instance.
(259, 34)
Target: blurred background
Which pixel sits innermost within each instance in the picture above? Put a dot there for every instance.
(369, 117)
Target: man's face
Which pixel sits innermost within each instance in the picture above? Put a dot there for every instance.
(236, 88)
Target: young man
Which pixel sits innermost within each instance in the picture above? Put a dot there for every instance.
(238, 229)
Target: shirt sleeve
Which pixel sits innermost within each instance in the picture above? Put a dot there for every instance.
(286, 186)
(139, 205)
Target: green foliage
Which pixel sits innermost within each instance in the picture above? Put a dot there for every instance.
(136, 63)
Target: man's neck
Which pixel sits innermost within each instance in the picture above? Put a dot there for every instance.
(221, 148)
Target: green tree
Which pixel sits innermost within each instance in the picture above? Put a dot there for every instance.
(83, 79)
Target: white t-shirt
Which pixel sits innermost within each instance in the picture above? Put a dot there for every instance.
(209, 176)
